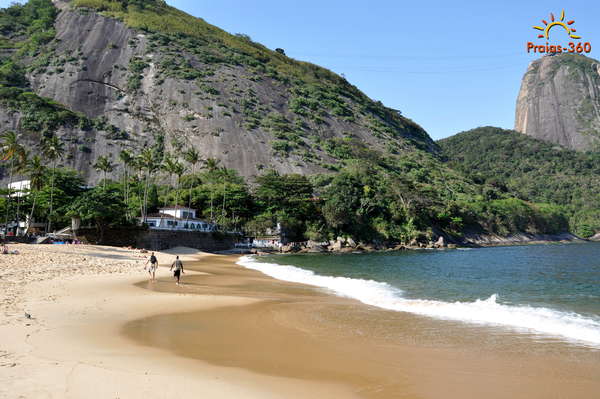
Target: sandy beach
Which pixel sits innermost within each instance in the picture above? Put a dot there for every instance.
(79, 298)
(99, 329)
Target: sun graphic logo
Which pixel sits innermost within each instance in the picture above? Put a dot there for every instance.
(565, 25)
(553, 49)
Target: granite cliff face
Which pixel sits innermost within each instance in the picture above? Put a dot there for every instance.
(133, 85)
(559, 101)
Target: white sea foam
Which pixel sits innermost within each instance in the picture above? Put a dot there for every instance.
(570, 326)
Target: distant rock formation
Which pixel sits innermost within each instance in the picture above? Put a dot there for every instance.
(559, 101)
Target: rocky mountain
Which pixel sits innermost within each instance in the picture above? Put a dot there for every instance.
(559, 101)
(131, 74)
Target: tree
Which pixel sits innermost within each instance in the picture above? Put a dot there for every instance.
(103, 164)
(212, 164)
(11, 151)
(21, 168)
(179, 171)
(62, 191)
(168, 166)
(127, 158)
(349, 200)
(192, 157)
(174, 168)
(53, 149)
(139, 179)
(291, 194)
(101, 206)
(36, 171)
(12, 74)
(219, 189)
(149, 162)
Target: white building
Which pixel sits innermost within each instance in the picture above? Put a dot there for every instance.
(178, 218)
(19, 188)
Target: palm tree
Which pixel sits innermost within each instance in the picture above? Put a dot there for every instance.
(148, 162)
(53, 149)
(212, 164)
(168, 166)
(174, 168)
(37, 172)
(11, 151)
(103, 164)
(179, 171)
(139, 175)
(192, 157)
(21, 167)
(127, 158)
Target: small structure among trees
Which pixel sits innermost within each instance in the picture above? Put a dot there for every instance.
(178, 218)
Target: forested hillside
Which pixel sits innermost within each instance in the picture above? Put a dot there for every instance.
(533, 170)
(155, 107)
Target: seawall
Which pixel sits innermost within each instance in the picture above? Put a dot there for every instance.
(157, 240)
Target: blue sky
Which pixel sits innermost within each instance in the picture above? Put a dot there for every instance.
(449, 66)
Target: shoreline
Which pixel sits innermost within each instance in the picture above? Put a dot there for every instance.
(376, 352)
(493, 240)
(543, 319)
(470, 241)
(232, 332)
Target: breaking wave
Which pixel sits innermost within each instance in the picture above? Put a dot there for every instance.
(566, 325)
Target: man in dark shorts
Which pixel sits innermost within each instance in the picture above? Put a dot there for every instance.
(178, 266)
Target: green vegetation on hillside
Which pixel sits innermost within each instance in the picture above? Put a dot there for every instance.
(373, 197)
(27, 27)
(315, 92)
(225, 68)
(533, 170)
(212, 43)
(379, 203)
(394, 193)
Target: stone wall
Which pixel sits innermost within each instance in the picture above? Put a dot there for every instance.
(157, 240)
(118, 237)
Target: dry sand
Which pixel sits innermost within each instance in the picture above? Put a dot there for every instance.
(79, 297)
(100, 329)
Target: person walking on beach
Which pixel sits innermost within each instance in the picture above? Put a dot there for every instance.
(153, 266)
(178, 269)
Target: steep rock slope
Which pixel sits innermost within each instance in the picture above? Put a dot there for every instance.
(559, 101)
(138, 74)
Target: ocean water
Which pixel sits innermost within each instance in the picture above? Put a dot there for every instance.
(548, 290)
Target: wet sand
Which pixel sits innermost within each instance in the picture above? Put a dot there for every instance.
(303, 333)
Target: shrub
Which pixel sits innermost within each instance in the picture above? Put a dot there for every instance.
(12, 74)
(281, 146)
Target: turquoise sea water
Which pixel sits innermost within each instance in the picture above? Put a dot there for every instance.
(545, 289)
